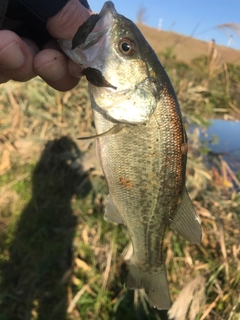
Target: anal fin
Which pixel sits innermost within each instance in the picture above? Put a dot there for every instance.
(186, 221)
(111, 214)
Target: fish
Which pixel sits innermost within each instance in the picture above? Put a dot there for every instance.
(141, 144)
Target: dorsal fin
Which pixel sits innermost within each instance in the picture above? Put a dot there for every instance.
(186, 221)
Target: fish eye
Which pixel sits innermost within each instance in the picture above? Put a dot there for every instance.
(127, 47)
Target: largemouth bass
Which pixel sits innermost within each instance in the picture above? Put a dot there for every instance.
(141, 143)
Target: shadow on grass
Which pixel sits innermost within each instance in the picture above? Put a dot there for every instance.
(34, 279)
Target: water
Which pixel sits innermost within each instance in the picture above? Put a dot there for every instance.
(228, 134)
(223, 138)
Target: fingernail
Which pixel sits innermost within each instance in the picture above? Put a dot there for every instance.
(52, 71)
(11, 57)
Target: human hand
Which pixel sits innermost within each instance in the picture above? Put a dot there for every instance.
(21, 59)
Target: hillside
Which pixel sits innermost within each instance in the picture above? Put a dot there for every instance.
(185, 48)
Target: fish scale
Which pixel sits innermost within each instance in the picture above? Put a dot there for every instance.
(146, 200)
(141, 143)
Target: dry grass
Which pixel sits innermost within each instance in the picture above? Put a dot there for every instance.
(59, 259)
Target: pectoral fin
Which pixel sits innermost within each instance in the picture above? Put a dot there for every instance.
(111, 214)
(115, 129)
(186, 221)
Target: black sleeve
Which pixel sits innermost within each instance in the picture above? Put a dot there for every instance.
(41, 9)
(34, 12)
(33, 16)
(3, 9)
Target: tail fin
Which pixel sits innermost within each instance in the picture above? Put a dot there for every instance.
(155, 285)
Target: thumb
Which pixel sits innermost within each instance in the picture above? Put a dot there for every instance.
(66, 22)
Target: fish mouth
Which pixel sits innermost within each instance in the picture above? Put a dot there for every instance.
(96, 41)
(108, 8)
(106, 19)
